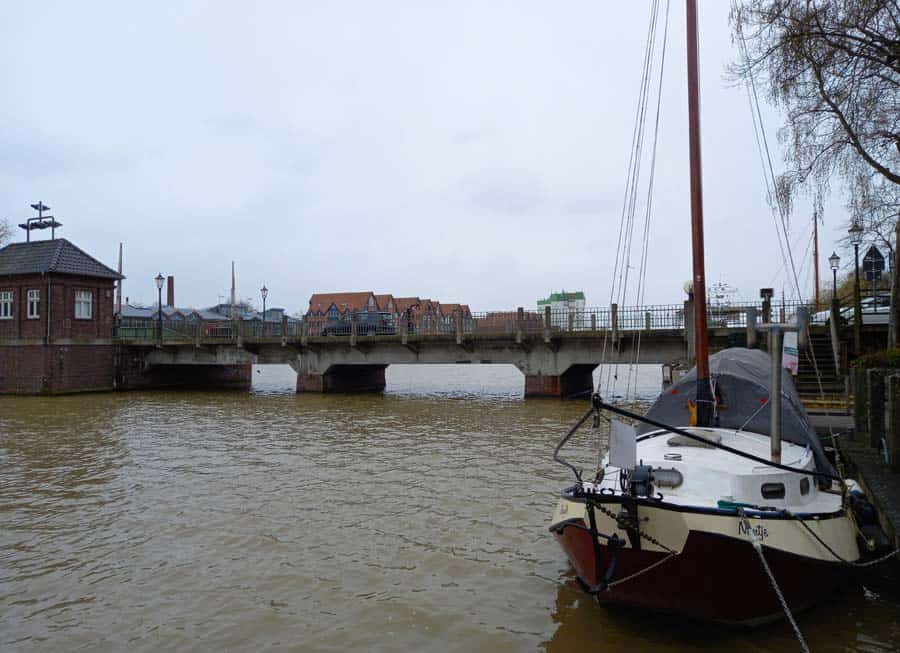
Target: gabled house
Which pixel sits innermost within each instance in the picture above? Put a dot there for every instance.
(450, 313)
(339, 304)
(386, 304)
(429, 314)
(406, 306)
(449, 310)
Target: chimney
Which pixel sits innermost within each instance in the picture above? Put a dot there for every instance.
(170, 291)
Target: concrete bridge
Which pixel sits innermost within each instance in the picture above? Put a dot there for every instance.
(556, 353)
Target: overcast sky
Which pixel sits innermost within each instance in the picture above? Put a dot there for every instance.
(467, 152)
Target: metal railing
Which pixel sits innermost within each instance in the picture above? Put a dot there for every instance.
(625, 319)
(224, 330)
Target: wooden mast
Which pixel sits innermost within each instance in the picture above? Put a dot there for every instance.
(701, 341)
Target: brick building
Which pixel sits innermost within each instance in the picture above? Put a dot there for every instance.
(56, 319)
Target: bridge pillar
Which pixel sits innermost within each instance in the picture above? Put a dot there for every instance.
(576, 382)
(343, 378)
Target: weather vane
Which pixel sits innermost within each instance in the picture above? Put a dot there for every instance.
(41, 221)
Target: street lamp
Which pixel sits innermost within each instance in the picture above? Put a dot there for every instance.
(835, 262)
(264, 292)
(856, 232)
(159, 284)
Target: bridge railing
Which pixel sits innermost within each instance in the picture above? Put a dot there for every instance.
(626, 319)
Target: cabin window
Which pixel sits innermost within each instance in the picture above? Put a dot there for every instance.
(34, 304)
(804, 486)
(6, 304)
(773, 490)
(84, 304)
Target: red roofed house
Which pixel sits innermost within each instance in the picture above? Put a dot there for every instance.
(429, 315)
(337, 304)
(386, 304)
(325, 307)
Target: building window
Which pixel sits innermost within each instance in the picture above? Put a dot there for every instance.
(6, 304)
(34, 304)
(84, 304)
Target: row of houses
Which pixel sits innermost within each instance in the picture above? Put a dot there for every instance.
(342, 305)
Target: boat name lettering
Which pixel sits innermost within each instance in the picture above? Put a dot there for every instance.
(759, 530)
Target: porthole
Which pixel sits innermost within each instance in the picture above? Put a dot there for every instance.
(773, 490)
(804, 485)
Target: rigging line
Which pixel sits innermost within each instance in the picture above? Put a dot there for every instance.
(623, 225)
(642, 279)
(806, 257)
(630, 163)
(629, 175)
(633, 182)
(781, 268)
(781, 209)
(770, 193)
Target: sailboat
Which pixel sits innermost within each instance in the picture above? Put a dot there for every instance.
(722, 505)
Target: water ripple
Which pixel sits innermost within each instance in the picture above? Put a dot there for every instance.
(416, 520)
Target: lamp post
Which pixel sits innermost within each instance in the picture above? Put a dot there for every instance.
(856, 232)
(159, 284)
(264, 292)
(835, 262)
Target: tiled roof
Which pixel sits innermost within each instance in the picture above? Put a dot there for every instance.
(429, 307)
(354, 301)
(59, 256)
(383, 301)
(210, 316)
(137, 311)
(403, 303)
(450, 309)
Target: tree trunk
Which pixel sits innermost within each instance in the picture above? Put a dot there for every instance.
(894, 319)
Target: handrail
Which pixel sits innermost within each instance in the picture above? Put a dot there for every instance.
(620, 320)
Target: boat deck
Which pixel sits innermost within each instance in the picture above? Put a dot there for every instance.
(711, 475)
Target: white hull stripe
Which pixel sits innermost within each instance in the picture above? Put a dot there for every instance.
(671, 525)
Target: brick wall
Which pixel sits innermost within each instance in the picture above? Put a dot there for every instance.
(41, 369)
(64, 325)
(74, 360)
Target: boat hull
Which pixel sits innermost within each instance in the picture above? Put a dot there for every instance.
(714, 577)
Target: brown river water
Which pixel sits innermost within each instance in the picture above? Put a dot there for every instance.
(410, 521)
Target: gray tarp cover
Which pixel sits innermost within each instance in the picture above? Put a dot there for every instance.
(743, 379)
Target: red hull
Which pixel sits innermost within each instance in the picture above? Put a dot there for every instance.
(714, 578)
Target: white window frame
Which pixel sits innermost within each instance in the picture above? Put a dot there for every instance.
(7, 301)
(33, 302)
(84, 304)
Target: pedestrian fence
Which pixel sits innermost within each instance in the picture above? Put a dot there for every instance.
(611, 320)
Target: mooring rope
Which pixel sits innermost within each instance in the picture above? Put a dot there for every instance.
(757, 546)
(837, 556)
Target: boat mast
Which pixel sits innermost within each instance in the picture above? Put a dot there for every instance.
(816, 254)
(701, 342)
